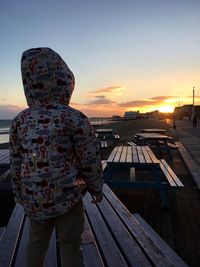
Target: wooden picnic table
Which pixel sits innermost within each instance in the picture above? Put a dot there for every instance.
(104, 133)
(139, 158)
(155, 138)
(161, 131)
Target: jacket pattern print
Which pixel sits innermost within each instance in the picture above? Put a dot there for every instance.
(51, 144)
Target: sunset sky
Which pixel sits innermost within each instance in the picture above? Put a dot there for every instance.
(125, 54)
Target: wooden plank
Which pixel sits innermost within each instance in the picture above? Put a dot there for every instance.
(190, 163)
(118, 154)
(52, 254)
(146, 154)
(21, 251)
(167, 175)
(152, 156)
(91, 253)
(108, 130)
(129, 157)
(104, 164)
(128, 246)
(112, 154)
(106, 243)
(123, 154)
(2, 229)
(172, 173)
(131, 144)
(152, 250)
(140, 155)
(177, 261)
(135, 155)
(11, 235)
(20, 258)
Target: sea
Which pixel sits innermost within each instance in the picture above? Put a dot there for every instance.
(4, 130)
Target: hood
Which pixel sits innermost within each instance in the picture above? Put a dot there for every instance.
(46, 77)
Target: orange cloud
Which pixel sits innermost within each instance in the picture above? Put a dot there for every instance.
(110, 89)
(101, 100)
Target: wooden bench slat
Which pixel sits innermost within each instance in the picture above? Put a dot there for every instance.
(171, 173)
(21, 253)
(129, 155)
(89, 247)
(140, 155)
(116, 136)
(123, 154)
(104, 164)
(151, 154)
(118, 154)
(150, 248)
(132, 253)
(2, 229)
(113, 257)
(167, 175)
(131, 144)
(146, 154)
(135, 155)
(51, 256)
(11, 235)
(169, 252)
(112, 154)
(190, 163)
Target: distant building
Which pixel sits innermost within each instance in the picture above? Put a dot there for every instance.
(130, 115)
(116, 117)
(186, 111)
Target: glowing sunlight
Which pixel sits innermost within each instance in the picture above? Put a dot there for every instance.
(166, 109)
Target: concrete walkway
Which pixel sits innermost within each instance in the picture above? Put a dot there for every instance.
(190, 138)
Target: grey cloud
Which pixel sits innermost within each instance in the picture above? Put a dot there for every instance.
(9, 111)
(106, 90)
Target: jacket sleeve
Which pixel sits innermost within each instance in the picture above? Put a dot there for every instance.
(15, 161)
(87, 156)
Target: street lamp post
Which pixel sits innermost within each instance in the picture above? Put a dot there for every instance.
(193, 102)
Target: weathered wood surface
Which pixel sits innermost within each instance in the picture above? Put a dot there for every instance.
(170, 175)
(112, 237)
(160, 131)
(192, 166)
(132, 154)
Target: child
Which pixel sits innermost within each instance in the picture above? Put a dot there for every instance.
(51, 145)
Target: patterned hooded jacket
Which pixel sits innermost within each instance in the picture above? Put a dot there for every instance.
(51, 144)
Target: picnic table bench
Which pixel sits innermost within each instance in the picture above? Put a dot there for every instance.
(104, 133)
(155, 139)
(112, 237)
(153, 130)
(104, 143)
(140, 158)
